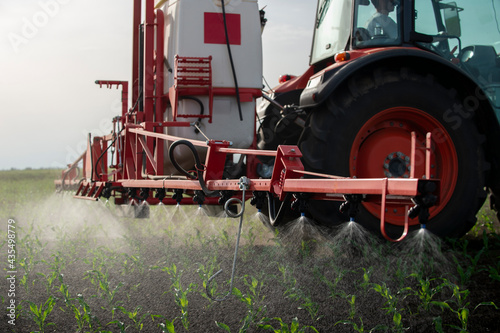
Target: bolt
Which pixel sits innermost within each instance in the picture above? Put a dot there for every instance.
(292, 150)
(395, 210)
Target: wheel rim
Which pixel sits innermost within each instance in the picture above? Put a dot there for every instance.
(382, 148)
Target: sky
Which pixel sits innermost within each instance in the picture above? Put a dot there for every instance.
(52, 51)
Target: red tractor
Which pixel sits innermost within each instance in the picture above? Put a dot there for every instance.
(381, 70)
(393, 112)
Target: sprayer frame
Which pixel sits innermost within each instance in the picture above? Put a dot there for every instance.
(138, 140)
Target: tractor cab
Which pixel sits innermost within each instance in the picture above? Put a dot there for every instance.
(464, 32)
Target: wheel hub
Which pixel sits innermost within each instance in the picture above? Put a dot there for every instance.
(396, 165)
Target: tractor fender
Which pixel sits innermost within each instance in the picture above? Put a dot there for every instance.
(324, 83)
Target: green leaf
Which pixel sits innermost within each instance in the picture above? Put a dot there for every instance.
(237, 292)
(438, 324)
(397, 318)
(487, 303)
(169, 325)
(223, 326)
(295, 325)
(442, 305)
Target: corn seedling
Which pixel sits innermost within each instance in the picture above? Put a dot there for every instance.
(391, 302)
(425, 291)
(253, 302)
(284, 328)
(134, 316)
(365, 283)
(55, 271)
(333, 285)
(361, 327)
(107, 292)
(40, 314)
(167, 326)
(180, 293)
(204, 272)
(461, 310)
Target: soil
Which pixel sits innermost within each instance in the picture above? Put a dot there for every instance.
(302, 274)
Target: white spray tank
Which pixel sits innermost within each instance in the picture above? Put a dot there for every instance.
(195, 29)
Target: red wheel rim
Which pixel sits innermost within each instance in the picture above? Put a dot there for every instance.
(382, 148)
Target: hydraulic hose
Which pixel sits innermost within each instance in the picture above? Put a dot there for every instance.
(273, 217)
(231, 60)
(197, 100)
(198, 166)
(104, 152)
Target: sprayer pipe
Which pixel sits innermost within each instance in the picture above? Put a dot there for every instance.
(233, 270)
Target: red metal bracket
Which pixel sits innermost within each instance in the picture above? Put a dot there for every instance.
(286, 166)
(109, 84)
(428, 145)
(90, 191)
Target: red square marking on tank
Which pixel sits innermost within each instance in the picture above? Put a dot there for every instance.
(214, 28)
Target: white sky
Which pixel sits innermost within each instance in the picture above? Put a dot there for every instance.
(52, 51)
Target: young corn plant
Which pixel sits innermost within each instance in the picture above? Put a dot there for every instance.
(29, 247)
(460, 309)
(298, 295)
(204, 272)
(55, 270)
(335, 291)
(284, 328)
(391, 302)
(180, 293)
(107, 292)
(135, 316)
(82, 312)
(468, 269)
(494, 271)
(166, 327)
(253, 300)
(365, 283)
(470, 265)
(40, 314)
(426, 290)
(351, 299)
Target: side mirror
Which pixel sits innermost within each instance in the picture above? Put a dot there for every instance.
(451, 19)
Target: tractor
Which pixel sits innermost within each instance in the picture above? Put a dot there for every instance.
(395, 118)
(367, 89)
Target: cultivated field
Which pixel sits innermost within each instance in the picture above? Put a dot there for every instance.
(81, 266)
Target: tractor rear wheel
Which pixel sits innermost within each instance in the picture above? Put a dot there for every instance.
(364, 130)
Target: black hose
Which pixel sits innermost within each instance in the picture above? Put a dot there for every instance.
(105, 150)
(197, 100)
(198, 166)
(273, 217)
(231, 60)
